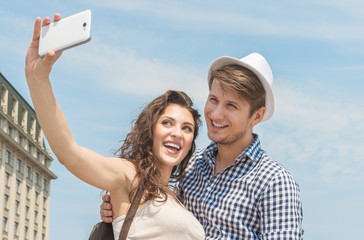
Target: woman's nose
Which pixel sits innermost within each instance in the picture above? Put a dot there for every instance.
(176, 132)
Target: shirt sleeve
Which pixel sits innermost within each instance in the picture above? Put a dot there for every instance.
(280, 209)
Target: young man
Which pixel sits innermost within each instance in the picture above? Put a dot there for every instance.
(233, 187)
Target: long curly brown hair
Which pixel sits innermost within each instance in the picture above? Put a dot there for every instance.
(137, 146)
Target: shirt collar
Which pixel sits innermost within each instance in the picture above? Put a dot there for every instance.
(252, 153)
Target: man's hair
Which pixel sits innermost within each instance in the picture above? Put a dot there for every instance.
(138, 144)
(242, 81)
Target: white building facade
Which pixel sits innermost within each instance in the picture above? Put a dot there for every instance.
(25, 169)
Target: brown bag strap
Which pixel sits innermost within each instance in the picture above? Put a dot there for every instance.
(131, 213)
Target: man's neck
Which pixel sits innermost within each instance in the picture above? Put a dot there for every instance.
(227, 153)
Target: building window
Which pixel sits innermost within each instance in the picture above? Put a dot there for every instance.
(37, 176)
(6, 200)
(46, 163)
(20, 140)
(5, 223)
(27, 212)
(30, 148)
(24, 118)
(44, 220)
(35, 234)
(28, 192)
(7, 177)
(32, 127)
(45, 184)
(36, 197)
(29, 173)
(35, 216)
(17, 186)
(18, 165)
(16, 225)
(26, 232)
(17, 207)
(40, 137)
(44, 202)
(10, 131)
(8, 157)
(14, 109)
(4, 98)
(43, 236)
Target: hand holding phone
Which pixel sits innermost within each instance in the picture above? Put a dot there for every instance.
(66, 33)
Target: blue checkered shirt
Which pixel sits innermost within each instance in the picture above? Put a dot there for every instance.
(254, 198)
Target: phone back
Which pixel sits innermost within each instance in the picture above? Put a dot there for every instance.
(66, 33)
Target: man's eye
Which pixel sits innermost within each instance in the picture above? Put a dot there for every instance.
(232, 106)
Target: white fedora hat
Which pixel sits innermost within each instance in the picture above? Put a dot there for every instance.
(258, 65)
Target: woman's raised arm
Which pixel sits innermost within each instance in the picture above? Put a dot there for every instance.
(99, 171)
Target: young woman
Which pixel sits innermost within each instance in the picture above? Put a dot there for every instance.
(154, 152)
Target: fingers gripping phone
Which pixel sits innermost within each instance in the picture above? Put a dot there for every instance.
(65, 33)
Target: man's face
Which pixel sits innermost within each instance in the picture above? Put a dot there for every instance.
(227, 117)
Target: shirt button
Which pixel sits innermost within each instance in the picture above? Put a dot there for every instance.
(202, 215)
(208, 188)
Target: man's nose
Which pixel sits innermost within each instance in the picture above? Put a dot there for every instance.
(217, 113)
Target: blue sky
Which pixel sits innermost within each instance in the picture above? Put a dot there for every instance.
(139, 49)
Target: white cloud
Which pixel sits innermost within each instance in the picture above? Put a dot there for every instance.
(115, 70)
(17, 33)
(322, 135)
(325, 20)
(352, 8)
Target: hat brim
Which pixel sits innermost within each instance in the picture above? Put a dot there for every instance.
(269, 98)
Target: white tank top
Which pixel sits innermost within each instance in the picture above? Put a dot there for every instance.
(162, 221)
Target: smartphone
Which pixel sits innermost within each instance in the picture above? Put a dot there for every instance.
(65, 33)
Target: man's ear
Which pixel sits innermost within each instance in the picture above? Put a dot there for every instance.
(258, 116)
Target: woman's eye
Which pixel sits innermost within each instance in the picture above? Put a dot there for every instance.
(189, 129)
(166, 123)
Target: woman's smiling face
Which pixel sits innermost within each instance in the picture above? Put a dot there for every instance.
(173, 136)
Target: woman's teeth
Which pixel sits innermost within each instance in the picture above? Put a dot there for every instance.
(172, 145)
